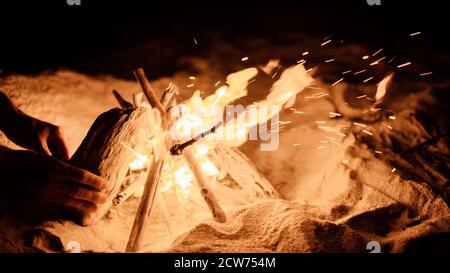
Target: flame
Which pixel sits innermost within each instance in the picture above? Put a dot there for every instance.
(197, 115)
(139, 162)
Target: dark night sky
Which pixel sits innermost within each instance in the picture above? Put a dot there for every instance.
(39, 35)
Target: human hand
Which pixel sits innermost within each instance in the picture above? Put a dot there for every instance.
(30, 177)
(39, 136)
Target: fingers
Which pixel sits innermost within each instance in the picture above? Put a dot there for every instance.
(83, 206)
(81, 176)
(80, 193)
(57, 145)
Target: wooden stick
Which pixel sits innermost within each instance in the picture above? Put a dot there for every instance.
(123, 103)
(136, 100)
(202, 181)
(147, 89)
(167, 96)
(145, 207)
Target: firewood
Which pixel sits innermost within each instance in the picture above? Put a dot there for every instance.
(205, 189)
(145, 207)
(103, 152)
(148, 90)
(244, 173)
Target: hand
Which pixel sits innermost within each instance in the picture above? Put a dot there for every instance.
(29, 132)
(29, 177)
(39, 136)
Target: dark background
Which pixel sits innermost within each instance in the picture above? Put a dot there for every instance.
(43, 35)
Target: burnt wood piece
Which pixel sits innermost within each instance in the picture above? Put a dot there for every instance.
(106, 150)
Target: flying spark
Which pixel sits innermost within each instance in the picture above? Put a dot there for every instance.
(325, 43)
(403, 65)
(359, 72)
(426, 74)
(337, 82)
(368, 79)
(374, 54)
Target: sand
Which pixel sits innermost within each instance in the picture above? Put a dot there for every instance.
(338, 195)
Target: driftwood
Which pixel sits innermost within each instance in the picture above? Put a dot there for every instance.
(205, 190)
(151, 184)
(244, 173)
(104, 151)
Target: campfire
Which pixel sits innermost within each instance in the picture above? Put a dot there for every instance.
(184, 153)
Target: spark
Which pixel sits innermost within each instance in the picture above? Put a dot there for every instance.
(374, 54)
(217, 83)
(359, 72)
(394, 170)
(392, 118)
(368, 79)
(337, 82)
(274, 75)
(365, 57)
(285, 122)
(345, 162)
(308, 70)
(334, 115)
(190, 85)
(321, 95)
(392, 59)
(426, 74)
(195, 41)
(389, 127)
(321, 147)
(415, 34)
(192, 78)
(367, 132)
(244, 59)
(292, 109)
(325, 43)
(305, 53)
(378, 152)
(403, 65)
(300, 113)
(377, 61)
(346, 72)
(359, 124)
(302, 61)
(362, 97)
(320, 122)
(297, 144)
(329, 61)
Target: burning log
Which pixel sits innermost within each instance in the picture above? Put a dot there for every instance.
(103, 151)
(244, 173)
(202, 181)
(151, 184)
